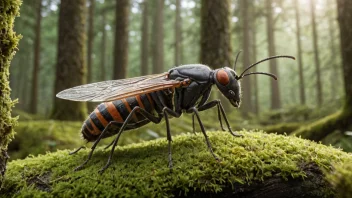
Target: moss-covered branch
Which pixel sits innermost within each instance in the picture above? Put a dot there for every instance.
(318, 130)
(9, 9)
(250, 165)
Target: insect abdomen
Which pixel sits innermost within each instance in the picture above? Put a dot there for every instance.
(117, 111)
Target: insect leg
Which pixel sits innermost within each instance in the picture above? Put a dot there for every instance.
(217, 103)
(129, 117)
(95, 145)
(76, 151)
(195, 111)
(147, 115)
(167, 111)
(193, 127)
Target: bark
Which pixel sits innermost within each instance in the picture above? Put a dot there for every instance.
(36, 64)
(316, 54)
(345, 24)
(335, 74)
(90, 40)
(9, 9)
(121, 39)
(71, 66)
(145, 43)
(246, 83)
(215, 33)
(178, 34)
(103, 49)
(254, 58)
(158, 29)
(275, 94)
(299, 56)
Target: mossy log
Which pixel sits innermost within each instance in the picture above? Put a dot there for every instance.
(320, 129)
(255, 165)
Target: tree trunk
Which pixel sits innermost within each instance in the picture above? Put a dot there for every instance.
(90, 40)
(215, 49)
(144, 43)
(121, 39)
(70, 68)
(158, 49)
(9, 9)
(345, 23)
(215, 33)
(178, 35)
(246, 83)
(340, 120)
(335, 75)
(299, 56)
(36, 64)
(275, 94)
(316, 54)
(103, 49)
(254, 59)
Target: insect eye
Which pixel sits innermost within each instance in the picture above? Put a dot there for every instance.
(222, 77)
(232, 93)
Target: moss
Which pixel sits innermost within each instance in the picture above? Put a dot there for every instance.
(341, 179)
(141, 169)
(282, 128)
(9, 9)
(323, 127)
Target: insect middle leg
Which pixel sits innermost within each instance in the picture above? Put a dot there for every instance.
(217, 103)
(166, 112)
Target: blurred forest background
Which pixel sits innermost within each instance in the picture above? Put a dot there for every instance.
(128, 38)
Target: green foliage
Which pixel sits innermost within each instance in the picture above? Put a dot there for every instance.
(140, 170)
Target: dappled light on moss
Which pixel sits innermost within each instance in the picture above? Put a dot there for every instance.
(141, 169)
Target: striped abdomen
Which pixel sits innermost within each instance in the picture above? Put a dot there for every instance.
(116, 111)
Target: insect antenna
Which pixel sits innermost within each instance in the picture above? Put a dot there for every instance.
(266, 59)
(264, 73)
(238, 54)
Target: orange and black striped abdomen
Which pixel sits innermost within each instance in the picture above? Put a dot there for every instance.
(116, 111)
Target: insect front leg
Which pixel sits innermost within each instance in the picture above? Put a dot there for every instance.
(146, 114)
(195, 111)
(219, 117)
(166, 112)
(217, 103)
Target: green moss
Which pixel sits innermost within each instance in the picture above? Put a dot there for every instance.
(141, 169)
(341, 179)
(323, 127)
(9, 9)
(282, 128)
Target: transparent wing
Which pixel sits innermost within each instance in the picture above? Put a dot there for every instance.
(118, 89)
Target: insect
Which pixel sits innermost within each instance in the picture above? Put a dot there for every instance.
(134, 102)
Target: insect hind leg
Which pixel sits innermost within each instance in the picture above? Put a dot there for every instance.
(94, 146)
(76, 151)
(146, 114)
